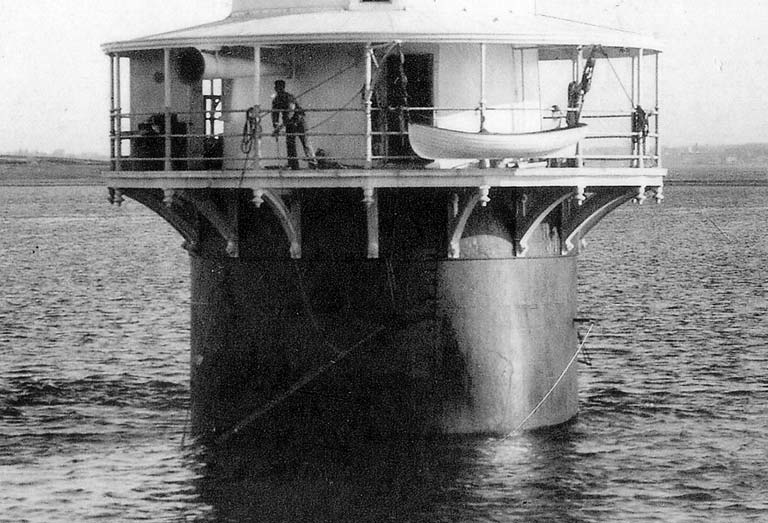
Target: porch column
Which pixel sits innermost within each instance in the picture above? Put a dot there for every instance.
(118, 117)
(112, 111)
(641, 147)
(368, 102)
(257, 104)
(656, 111)
(577, 78)
(168, 101)
(633, 95)
(483, 58)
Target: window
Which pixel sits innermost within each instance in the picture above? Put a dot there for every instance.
(213, 106)
(212, 92)
(375, 4)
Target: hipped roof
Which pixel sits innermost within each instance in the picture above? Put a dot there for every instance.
(411, 25)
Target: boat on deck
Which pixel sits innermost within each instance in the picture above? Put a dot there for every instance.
(436, 143)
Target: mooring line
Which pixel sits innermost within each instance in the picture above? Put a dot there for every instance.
(303, 382)
(548, 394)
(709, 220)
(715, 225)
(186, 427)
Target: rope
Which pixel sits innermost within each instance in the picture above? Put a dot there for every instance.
(618, 78)
(391, 282)
(186, 427)
(296, 387)
(332, 77)
(374, 83)
(551, 390)
(333, 114)
(310, 311)
(710, 221)
(251, 131)
(349, 102)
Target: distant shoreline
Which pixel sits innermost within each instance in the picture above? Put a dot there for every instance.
(66, 182)
(50, 171)
(717, 183)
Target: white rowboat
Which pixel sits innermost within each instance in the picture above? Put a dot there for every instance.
(435, 143)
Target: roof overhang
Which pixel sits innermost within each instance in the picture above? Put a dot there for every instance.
(412, 25)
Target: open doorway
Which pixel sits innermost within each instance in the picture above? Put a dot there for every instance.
(409, 98)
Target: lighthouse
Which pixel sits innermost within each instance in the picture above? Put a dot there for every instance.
(383, 203)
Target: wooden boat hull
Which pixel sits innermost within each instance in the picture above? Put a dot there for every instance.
(436, 143)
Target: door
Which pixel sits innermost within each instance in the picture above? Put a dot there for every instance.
(409, 98)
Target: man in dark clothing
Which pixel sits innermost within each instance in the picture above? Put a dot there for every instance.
(284, 105)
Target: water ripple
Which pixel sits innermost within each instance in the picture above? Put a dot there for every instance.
(94, 385)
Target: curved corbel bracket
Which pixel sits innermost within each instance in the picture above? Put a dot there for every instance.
(178, 216)
(463, 206)
(224, 223)
(532, 210)
(605, 199)
(289, 218)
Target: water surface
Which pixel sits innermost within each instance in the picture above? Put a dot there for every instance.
(673, 408)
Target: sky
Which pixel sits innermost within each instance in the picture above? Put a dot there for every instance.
(55, 92)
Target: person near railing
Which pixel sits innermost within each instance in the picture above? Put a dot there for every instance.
(285, 107)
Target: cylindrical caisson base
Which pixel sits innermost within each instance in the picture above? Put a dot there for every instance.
(382, 347)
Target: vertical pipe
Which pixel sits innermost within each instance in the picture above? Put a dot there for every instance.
(368, 106)
(118, 116)
(257, 103)
(656, 110)
(168, 101)
(641, 141)
(483, 50)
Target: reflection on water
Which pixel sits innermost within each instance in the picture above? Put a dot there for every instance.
(94, 385)
(457, 479)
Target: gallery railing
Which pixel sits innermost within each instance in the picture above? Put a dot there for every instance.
(238, 139)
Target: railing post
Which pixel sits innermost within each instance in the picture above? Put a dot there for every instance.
(257, 105)
(368, 103)
(168, 101)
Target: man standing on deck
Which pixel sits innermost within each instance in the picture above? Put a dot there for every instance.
(284, 104)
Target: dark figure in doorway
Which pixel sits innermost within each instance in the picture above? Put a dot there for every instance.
(150, 144)
(285, 106)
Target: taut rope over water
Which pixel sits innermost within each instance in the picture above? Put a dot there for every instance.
(557, 382)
